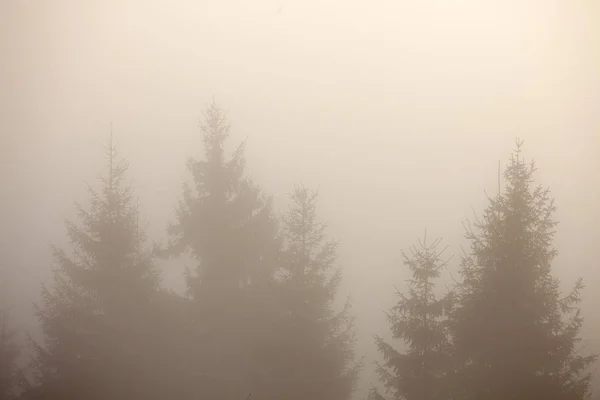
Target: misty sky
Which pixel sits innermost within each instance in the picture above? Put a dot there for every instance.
(398, 111)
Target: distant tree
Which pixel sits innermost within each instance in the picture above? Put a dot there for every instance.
(312, 356)
(9, 352)
(419, 319)
(226, 224)
(98, 320)
(514, 336)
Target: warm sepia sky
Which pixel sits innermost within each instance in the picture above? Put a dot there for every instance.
(397, 110)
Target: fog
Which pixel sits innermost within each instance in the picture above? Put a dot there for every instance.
(397, 111)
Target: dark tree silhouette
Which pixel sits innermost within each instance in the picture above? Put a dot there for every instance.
(313, 355)
(419, 319)
(515, 336)
(226, 224)
(98, 320)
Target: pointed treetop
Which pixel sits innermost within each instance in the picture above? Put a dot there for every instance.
(519, 145)
(216, 130)
(112, 180)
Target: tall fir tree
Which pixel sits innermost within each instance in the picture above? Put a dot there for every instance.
(98, 318)
(419, 319)
(515, 336)
(226, 224)
(312, 356)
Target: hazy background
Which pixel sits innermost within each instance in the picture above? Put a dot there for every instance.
(397, 110)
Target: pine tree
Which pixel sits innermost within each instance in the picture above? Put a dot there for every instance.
(312, 356)
(419, 320)
(226, 224)
(9, 352)
(98, 318)
(514, 336)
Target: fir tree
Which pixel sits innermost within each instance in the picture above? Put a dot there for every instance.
(97, 319)
(418, 319)
(224, 211)
(515, 337)
(226, 224)
(312, 356)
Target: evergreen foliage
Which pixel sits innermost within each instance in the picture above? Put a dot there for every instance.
(515, 336)
(314, 355)
(98, 318)
(421, 372)
(224, 221)
(226, 224)
(260, 317)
